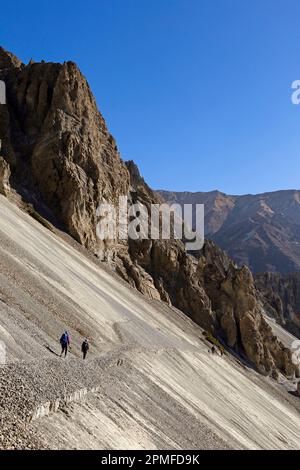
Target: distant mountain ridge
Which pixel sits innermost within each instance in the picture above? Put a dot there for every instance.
(261, 231)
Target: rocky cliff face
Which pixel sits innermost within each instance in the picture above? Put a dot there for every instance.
(236, 303)
(281, 296)
(212, 290)
(58, 154)
(260, 230)
(58, 145)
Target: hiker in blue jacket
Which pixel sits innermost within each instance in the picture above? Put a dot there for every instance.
(65, 343)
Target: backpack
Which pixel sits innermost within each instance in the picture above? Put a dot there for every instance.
(64, 339)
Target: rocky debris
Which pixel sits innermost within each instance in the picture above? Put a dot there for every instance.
(30, 387)
(281, 298)
(49, 284)
(62, 157)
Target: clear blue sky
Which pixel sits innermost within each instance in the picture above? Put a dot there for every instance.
(197, 92)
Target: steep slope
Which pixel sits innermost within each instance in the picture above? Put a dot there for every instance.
(232, 308)
(59, 156)
(261, 231)
(149, 376)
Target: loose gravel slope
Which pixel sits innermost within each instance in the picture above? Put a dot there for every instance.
(150, 380)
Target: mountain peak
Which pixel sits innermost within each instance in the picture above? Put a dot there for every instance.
(8, 60)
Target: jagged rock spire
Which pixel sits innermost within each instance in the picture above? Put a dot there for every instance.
(8, 60)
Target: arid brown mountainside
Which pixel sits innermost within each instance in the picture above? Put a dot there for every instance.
(59, 155)
(261, 231)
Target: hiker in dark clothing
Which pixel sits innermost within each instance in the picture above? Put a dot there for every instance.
(85, 347)
(65, 343)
